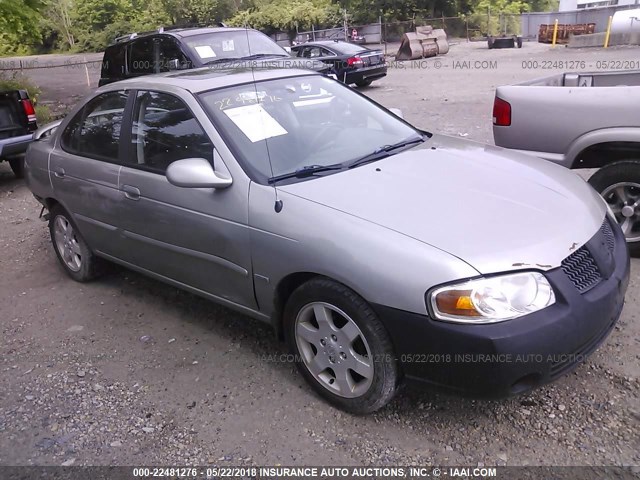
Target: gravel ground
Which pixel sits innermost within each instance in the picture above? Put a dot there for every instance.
(129, 371)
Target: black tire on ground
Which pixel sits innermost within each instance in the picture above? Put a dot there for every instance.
(519, 42)
(624, 171)
(364, 83)
(490, 42)
(386, 374)
(90, 266)
(17, 165)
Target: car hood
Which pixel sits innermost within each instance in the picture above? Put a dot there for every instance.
(492, 208)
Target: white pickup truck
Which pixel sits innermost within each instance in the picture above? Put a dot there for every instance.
(581, 120)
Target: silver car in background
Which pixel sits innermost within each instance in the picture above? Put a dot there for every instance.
(380, 252)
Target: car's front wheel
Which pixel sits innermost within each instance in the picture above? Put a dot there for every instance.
(71, 249)
(619, 185)
(341, 347)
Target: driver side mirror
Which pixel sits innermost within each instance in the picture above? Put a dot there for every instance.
(174, 64)
(47, 130)
(196, 173)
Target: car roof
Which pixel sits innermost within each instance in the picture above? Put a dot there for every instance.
(177, 32)
(189, 32)
(206, 78)
(329, 43)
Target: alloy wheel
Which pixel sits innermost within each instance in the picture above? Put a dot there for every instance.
(334, 349)
(624, 200)
(67, 243)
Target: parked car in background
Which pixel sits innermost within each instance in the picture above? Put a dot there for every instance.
(248, 188)
(17, 124)
(350, 63)
(581, 120)
(168, 49)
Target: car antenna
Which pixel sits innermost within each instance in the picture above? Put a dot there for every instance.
(278, 204)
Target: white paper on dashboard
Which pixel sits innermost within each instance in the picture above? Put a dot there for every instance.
(228, 46)
(255, 122)
(205, 51)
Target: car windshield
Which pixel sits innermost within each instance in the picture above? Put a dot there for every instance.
(234, 44)
(280, 126)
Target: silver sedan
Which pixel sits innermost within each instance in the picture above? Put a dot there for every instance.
(379, 251)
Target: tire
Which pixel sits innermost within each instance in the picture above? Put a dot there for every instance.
(76, 258)
(352, 335)
(619, 184)
(17, 165)
(364, 83)
(490, 42)
(519, 42)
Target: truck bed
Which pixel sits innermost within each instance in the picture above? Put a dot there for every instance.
(551, 116)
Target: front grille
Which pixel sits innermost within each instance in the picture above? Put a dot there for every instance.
(582, 270)
(608, 234)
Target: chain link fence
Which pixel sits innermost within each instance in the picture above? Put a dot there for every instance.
(472, 27)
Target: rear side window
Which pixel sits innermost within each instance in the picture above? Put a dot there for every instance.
(165, 130)
(141, 57)
(113, 62)
(95, 131)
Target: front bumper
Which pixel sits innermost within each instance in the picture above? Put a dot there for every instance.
(502, 359)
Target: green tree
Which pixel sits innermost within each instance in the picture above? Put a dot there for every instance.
(289, 15)
(19, 25)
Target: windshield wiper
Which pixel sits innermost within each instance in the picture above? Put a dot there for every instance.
(255, 56)
(224, 59)
(307, 171)
(264, 55)
(385, 151)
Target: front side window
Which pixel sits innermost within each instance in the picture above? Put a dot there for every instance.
(165, 130)
(279, 126)
(95, 130)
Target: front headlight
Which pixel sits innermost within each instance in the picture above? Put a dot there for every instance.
(493, 299)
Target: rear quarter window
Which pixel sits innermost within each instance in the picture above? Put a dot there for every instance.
(113, 62)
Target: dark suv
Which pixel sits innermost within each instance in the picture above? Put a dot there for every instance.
(184, 48)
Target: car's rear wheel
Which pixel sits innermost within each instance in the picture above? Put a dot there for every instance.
(341, 347)
(364, 83)
(619, 185)
(17, 165)
(74, 254)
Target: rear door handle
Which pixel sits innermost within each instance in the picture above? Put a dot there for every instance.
(58, 172)
(132, 193)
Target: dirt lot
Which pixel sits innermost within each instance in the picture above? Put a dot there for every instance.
(128, 371)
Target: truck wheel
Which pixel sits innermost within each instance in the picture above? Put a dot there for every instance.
(519, 42)
(340, 346)
(490, 42)
(619, 185)
(17, 165)
(74, 254)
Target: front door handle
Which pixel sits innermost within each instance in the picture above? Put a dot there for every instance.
(58, 172)
(132, 193)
